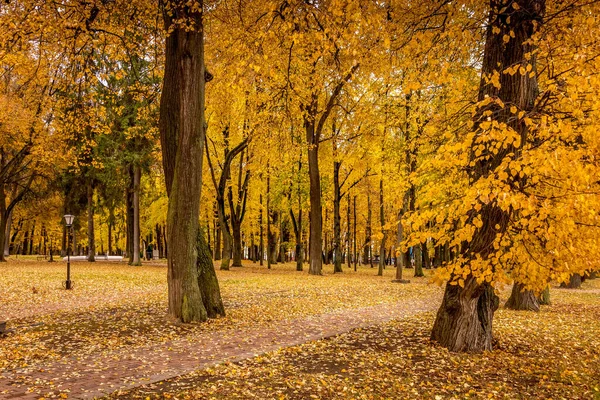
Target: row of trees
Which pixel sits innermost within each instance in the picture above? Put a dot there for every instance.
(460, 134)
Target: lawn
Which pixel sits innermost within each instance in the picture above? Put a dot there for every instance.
(117, 306)
(551, 354)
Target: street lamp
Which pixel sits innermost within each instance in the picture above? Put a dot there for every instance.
(69, 223)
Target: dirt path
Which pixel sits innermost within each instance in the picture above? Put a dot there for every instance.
(105, 373)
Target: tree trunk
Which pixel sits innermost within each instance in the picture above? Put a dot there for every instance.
(182, 133)
(337, 225)
(136, 215)
(130, 214)
(269, 248)
(90, 218)
(522, 300)
(111, 222)
(544, 298)
(316, 227)
(237, 244)
(348, 237)
(3, 234)
(383, 230)
(574, 282)
(354, 252)
(367, 244)
(207, 279)
(418, 254)
(261, 252)
(464, 320)
(6, 222)
(272, 236)
(227, 241)
(425, 253)
(217, 251)
(298, 235)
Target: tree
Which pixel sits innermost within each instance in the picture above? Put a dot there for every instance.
(464, 320)
(182, 138)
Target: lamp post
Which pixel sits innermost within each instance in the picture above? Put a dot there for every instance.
(69, 223)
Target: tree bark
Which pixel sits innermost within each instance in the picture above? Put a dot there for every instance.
(269, 248)
(522, 300)
(207, 279)
(90, 218)
(130, 214)
(464, 320)
(383, 230)
(136, 215)
(574, 282)
(182, 134)
(337, 225)
(354, 252)
(348, 236)
(418, 254)
(316, 224)
(544, 298)
(261, 252)
(217, 228)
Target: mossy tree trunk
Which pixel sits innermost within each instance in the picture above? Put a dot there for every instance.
(181, 127)
(544, 297)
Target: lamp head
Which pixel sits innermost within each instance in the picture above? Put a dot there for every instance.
(69, 220)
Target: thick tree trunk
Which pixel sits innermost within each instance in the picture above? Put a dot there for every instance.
(522, 300)
(181, 127)
(464, 320)
(90, 222)
(316, 228)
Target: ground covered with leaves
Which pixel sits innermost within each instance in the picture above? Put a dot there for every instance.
(115, 306)
(551, 354)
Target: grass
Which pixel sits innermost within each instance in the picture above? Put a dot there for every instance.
(551, 354)
(117, 306)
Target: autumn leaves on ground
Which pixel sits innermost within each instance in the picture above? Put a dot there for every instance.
(115, 309)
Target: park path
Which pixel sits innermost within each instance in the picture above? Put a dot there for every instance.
(101, 374)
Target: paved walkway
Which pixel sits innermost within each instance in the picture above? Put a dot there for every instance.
(102, 374)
